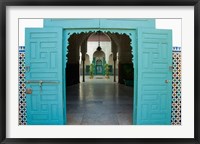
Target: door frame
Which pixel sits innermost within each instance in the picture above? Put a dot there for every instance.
(121, 26)
(131, 33)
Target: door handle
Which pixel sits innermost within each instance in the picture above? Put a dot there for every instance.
(41, 82)
(167, 81)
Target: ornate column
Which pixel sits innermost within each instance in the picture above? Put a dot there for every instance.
(115, 41)
(114, 51)
(114, 60)
(83, 61)
(83, 51)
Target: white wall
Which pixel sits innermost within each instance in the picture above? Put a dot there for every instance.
(92, 47)
(27, 23)
(175, 25)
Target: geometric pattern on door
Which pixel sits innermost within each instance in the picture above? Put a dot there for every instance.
(154, 77)
(176, 89)
(44, 76)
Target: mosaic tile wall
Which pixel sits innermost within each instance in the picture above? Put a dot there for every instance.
(176, 87)
(22, 87)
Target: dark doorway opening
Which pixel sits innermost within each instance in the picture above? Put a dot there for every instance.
(99, 101)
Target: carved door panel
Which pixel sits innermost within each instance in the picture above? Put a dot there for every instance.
(154, 77)
(44, 78)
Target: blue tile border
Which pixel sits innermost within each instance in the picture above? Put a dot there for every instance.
(176, 49)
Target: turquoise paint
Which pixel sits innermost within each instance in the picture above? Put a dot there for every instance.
(101, 66)
(64, 59)
(72, 23)
(100, 23)
(43, 53)
(130, 27)
(99, 70)
(154, 61)
(127, 23)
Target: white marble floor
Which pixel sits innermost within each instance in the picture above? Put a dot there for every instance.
(99, 101)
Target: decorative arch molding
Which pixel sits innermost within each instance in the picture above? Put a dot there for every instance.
(131, 33)
(115, 40)
(102, 34)
(83, 42)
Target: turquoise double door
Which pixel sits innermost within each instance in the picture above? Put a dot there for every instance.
(45, 81)
(99, 70)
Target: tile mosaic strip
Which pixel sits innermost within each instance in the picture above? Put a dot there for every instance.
(176, 89)
(22, 89)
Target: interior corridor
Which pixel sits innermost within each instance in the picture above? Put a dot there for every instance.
(99, 101)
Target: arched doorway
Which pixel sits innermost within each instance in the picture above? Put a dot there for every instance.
(100, 95)
(151, 61)
(99, 49)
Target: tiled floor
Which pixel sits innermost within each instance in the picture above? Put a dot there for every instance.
(99, 102)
